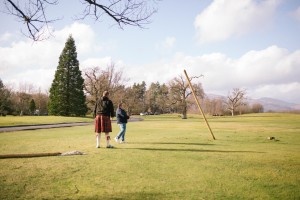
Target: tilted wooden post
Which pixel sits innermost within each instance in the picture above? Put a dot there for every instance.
(188, 79)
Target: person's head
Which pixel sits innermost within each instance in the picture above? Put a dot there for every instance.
(105, 93)
(120, 105)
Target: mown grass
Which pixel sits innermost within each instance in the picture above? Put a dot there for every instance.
(33, 120)
(165, 158)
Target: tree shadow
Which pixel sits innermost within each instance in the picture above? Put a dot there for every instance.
(193, 150)
(122, 196)
(179, 143)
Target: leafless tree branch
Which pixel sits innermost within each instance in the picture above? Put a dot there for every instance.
(32, 14)
(123, 12)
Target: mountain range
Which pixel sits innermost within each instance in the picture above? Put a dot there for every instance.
(269, 104)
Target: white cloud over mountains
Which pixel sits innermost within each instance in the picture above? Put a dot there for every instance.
(222, 20)
(270, 72)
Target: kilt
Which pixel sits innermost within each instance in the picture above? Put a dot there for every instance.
(102, 124)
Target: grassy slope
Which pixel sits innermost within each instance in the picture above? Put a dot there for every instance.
(166, 158)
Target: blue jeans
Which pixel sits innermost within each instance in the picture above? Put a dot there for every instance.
(121, 134)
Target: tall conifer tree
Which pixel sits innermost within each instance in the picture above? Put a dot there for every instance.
(66, 93)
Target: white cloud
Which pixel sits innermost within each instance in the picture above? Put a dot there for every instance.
(169, 42)
(166, 45)
(288, 92)
(96, 62)
(5, 37)
(84, 36)
(36, 62)
(224, 19)
(296, 14)
(271, 72)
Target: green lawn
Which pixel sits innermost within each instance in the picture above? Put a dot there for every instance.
(165, 158)
(30, 120)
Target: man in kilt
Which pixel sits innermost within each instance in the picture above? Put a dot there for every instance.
(104, 110)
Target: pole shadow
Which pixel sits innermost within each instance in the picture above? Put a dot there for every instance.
(172, 143)
(191, 150)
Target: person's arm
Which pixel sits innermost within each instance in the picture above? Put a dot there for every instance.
(112, 112)
(127, 116)
(95, 110)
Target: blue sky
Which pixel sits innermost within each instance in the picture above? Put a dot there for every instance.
(248, 44)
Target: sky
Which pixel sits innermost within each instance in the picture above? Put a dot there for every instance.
(253, 45)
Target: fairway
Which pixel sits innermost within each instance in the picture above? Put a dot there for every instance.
(165, 158)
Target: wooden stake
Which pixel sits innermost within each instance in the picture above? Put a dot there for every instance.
(187, 77)
(28, 155)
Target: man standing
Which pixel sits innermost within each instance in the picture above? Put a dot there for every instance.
(122, 118)
(104, 110)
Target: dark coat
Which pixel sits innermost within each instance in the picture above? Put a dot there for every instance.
(122, 116)
(104, 106)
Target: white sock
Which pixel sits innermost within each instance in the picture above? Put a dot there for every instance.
(98, 140)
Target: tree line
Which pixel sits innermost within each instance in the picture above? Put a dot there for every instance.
(156, 99)
(74, 93)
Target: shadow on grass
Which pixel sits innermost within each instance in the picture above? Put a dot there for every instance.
(195, 150)
(180, 143)
(137, 195)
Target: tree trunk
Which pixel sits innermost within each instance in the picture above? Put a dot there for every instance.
(184, 111)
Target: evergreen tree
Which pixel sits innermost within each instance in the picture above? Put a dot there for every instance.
(32, 106)
(66, 93)
(5, 102)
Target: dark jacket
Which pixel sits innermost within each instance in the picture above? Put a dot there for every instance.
(122, 116)
(104, 106)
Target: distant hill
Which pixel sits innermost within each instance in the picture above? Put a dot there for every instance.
(269, 104)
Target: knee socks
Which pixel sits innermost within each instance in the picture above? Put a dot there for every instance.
(98, 140)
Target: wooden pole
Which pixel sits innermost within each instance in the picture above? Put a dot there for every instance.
(28, 155)
(188, 79)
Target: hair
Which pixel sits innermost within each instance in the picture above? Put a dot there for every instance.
(119, 105)
(105, 93)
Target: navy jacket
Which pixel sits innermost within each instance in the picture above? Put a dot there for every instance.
(122, 116)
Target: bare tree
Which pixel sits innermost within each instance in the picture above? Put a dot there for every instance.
(96, 81)
(179, 92)
(214, 106)
(257, 108)
(41, 100)
(123, 12)
(235, 99)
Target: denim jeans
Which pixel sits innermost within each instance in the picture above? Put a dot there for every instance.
(121, 134)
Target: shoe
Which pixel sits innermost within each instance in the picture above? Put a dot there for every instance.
(109, 146)
(97, 147)
(116, 139)
(123, 142)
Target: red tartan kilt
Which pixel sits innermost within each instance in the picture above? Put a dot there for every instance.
(102, 124)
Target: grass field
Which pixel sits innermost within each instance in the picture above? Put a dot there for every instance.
(165, 158)
(30, 120)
